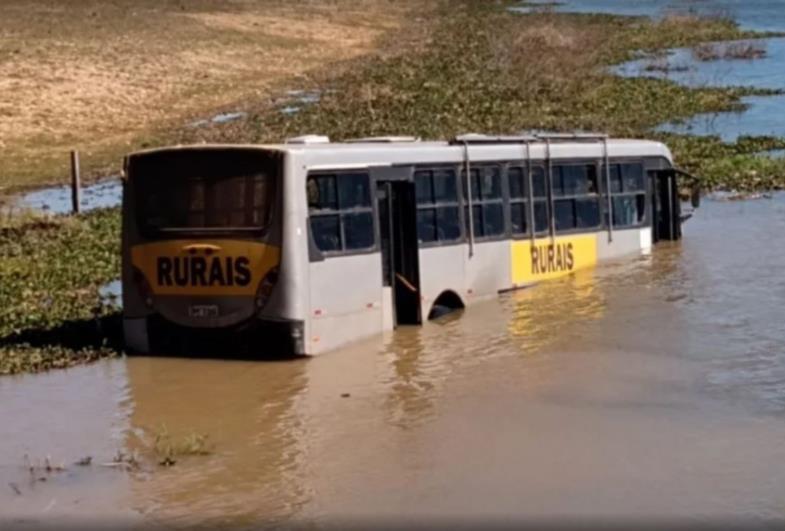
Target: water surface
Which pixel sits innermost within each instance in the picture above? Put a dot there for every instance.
(761, 15)
(650, 387)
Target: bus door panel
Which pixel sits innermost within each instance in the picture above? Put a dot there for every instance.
(397, 211)
(666, 206)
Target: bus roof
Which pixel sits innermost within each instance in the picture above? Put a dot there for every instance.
(411, 151)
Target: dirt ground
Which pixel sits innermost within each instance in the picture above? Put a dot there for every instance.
(100, 75)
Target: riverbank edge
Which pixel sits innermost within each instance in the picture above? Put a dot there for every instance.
(430, 90)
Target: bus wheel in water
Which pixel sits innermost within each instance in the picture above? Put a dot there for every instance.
(446, 302)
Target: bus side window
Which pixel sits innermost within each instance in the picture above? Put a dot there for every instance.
(438, 216)
(519, 200)
(340, 212)
(577, 201)
(628, 194)
(487, 202)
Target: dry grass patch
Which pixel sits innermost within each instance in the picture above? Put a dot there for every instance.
(100, 76)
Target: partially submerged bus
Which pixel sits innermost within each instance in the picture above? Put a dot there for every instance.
(304, 246)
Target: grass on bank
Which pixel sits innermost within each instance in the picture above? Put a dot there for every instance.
(480, 69)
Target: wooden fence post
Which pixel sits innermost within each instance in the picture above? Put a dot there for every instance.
(76, 191)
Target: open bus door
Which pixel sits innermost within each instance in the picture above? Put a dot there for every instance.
(397, 211)
(666, 206)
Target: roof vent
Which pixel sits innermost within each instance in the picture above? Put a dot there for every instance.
(309, 139)
(383, 139)
(478, 138)
(575, 137)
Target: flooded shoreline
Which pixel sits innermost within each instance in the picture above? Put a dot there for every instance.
(763, 115)
(651, 386)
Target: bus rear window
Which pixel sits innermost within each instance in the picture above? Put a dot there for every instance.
(204, 190)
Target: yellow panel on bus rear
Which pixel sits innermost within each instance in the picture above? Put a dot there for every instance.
(547, 258)
(205, 267)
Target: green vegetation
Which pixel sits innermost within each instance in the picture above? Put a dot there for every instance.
(481, 68)
(485, 69)
(738, 166)
(50, 271)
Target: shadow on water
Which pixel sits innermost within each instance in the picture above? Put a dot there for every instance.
(78, 334)
(106, 333)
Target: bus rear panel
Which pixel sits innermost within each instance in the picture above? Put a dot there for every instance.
(202, 251)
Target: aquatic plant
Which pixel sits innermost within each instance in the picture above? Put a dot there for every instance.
(168, 448)
(50, 271)
(732, 50)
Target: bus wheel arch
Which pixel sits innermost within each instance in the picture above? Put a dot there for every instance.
(447, 302)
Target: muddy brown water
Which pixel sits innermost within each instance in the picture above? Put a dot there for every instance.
(652, 387)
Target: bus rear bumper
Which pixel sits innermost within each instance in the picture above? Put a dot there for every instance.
(256, 338)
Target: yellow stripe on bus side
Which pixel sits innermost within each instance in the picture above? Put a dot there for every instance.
(546, 258)
(204, 267)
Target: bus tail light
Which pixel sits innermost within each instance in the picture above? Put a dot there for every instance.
(143, 287)
(265, 288)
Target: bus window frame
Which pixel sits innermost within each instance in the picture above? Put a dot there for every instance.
(598, 195)
(459, 203)
(525, 170)
(646, 192)
(262, 233)
(315, 253)
(501, 166)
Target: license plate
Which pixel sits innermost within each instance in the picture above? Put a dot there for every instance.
(201, 311)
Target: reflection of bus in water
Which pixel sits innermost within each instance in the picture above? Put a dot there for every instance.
(307, 245)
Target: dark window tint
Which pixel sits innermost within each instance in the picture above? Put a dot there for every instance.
(486, 183)
(519, 218)
(322, 193)
(628, 209)
(627, 177)
(632, 177)
(195, 190)
(628, 192)
(587, 213)
(517, 183)
(541, 222)
(475, 183)
(574, 179)
(423, 187)
(448, 223)
(488, 220)
(358, 230)
(493, 219)
(445, 187)
(347, 199)
(353, 190)
(326, 232)
(490, 184)
(437, 205)
(426, 224)
(539, 188)
(615, 178)
(487, 202)
(564, 214)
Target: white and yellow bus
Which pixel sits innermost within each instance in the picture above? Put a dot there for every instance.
(304, 246)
